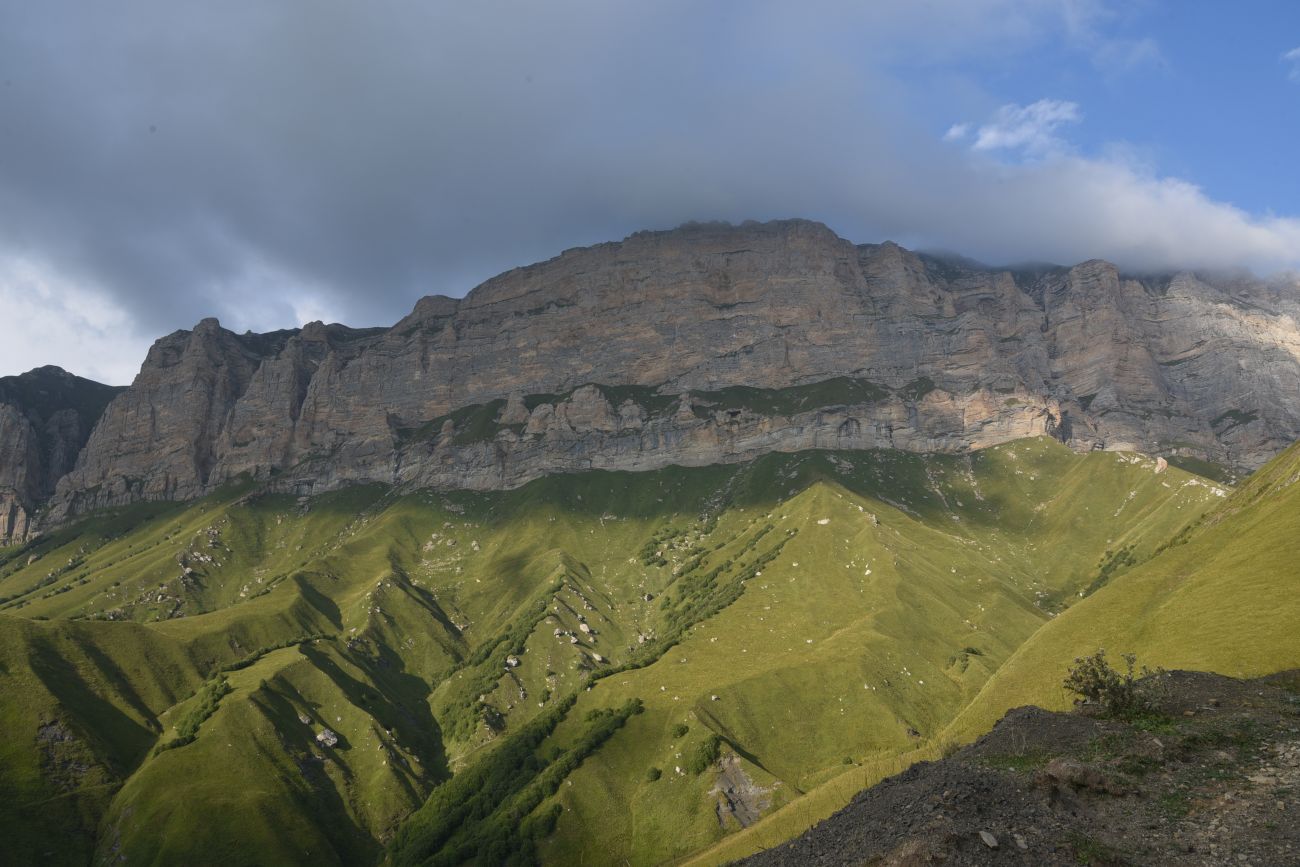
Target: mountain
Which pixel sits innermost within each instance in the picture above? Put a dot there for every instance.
(46, 416)
(707, 344)
(659, 551)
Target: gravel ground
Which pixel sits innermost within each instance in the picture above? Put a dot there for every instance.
(1213, 778)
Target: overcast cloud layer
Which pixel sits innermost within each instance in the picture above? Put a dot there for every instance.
(272, 163)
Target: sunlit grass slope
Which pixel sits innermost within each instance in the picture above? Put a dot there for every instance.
(908, 582)
(1224, 597)
(550, 656)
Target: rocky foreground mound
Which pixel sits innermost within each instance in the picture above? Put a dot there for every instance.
(1210, 778)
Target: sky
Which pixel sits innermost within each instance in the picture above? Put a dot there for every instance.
(272, 163)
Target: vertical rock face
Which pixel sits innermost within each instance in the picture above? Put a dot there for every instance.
(202, 399)
(46, 416)
(703, 344)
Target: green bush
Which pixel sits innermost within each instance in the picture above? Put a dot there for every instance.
(653, 774)
(1117, 694)
(205, 705)
(680, 730)
(483, 814)
(704, 754)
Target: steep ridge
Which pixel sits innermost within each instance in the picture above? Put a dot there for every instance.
(706, 344)
(46, 416)
(166, 668)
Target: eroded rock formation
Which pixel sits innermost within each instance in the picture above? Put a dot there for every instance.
(703, 344)
(46, 416)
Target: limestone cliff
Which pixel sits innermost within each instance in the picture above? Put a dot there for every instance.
(703, 344)
(46, 416)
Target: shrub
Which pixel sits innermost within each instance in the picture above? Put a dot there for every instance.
(704, 754)
(1117, 694)
(653, 774)
(205, 705)
(483, 814)
(680, 730)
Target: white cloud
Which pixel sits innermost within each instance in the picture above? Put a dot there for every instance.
(1068, 208)
(50, 321)
(1088, 26)
(1030, 129)
(957, 132)
(1062, 206)
(1293, 57)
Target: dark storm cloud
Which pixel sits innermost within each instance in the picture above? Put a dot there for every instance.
(270, 161)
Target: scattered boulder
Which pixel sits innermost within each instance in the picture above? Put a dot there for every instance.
(1079, 776)
(514, 412)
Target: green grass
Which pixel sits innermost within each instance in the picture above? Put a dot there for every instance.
(1089, 850)
(1209, 469)
(204, 705)
(786, 613)
(486, 814)
(1222, 600)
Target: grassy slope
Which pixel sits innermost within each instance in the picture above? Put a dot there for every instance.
(821, 661)
(78, 707)
(1221, 598)
(1225, 598)
(400, 613)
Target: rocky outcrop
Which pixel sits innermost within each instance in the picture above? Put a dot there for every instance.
(704, 344)
(585, 431)
(203, 399)
(46, 416)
